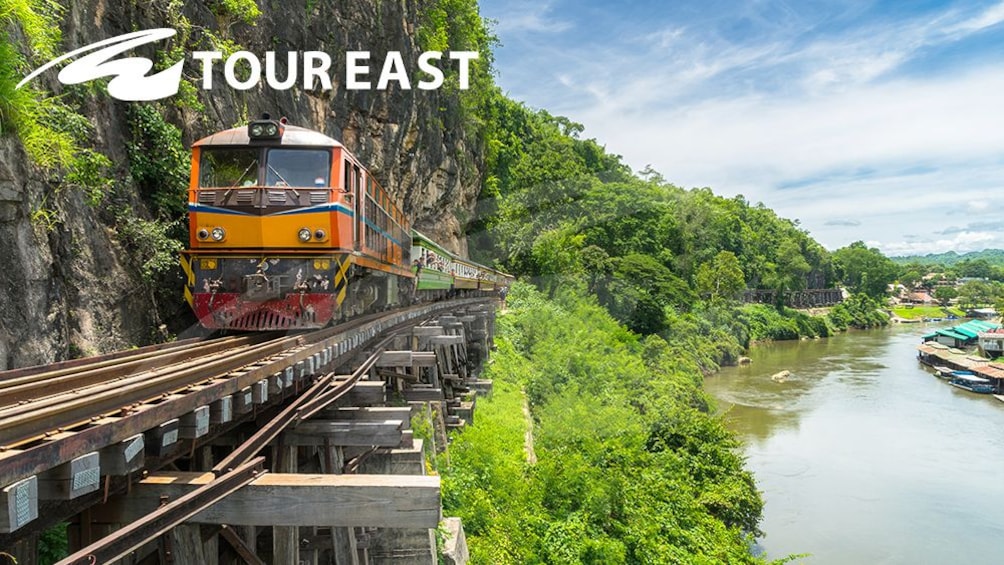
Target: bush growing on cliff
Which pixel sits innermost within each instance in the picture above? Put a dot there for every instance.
(158, 161)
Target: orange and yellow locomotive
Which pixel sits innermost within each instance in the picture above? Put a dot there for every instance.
(289, 231)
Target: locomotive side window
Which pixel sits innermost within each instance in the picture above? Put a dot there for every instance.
(301, 168)
(226, 168)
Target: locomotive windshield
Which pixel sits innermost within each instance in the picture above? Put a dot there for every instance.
(298, 167)
(228, 167)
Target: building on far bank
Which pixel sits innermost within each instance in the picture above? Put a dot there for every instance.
(992, 343)
(962, 335)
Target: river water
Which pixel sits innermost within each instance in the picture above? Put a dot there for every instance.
(864, 457)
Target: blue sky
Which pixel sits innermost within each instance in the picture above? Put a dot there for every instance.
(879, 121)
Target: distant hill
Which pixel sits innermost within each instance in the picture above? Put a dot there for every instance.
(992, 256)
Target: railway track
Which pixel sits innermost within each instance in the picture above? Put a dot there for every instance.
(52, 415)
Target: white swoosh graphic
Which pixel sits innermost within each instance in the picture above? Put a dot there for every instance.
(130, 81)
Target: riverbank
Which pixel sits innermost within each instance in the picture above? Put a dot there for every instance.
(912, 314)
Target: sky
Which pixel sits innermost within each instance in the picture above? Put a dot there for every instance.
(873, 121)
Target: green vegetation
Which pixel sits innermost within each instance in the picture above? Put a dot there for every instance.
(859, 311)
(53, 135)
(951, 258)
(631, 468)
(158, 161)
(245, 11)
(864, 270)
(911, 312)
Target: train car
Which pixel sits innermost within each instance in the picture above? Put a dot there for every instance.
(433, 267)
(288, 230)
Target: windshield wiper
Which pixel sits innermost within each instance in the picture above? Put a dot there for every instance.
(284, 181)
(244, 174)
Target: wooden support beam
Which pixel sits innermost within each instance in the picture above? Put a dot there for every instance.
(285, 542)
(160, 440)
(259, 392)
(447, 340)
(195, 424)
(187, 546)
(72, 479)
(367, 393)
(246, 553)
(386, 374)
(423, 394)
(394, 359)
(382, 501)
(426, 331)
(18, 504)
(345, 433)
(123, 457)
(222, 411)
(369, 414)
(243, 401)
(423, 359)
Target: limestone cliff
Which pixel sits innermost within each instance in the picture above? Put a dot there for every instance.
(67, 288)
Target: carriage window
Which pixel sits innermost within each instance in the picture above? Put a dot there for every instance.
(298, 167)
(225, 168)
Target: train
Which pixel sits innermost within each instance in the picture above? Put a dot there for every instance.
(288, 230)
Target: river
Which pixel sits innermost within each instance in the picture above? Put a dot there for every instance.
(864, 457)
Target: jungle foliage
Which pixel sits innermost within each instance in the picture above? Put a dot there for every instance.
(631, 467)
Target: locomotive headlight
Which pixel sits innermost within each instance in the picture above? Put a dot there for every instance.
(271, 130)
(218, 234)
(203, 234)
(257, 130)
(304, 235)
(319, 234)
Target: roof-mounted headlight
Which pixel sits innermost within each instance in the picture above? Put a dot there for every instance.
(265, 128)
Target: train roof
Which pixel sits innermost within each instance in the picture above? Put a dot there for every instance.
(292, 136)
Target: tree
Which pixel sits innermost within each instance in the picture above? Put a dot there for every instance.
(910, 279)
(975, 293)
(945, 294)
(864, 269)
(787, 272)
(722, 277)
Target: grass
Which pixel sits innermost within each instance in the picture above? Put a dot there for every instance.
(918, 312)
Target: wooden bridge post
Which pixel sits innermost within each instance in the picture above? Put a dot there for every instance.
(285, 539)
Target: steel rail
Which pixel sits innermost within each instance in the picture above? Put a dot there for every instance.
(127, 419)
(36, 390)
(41, 373)
(117, 384)
(26, 422)
(114, 356)
(126, 540)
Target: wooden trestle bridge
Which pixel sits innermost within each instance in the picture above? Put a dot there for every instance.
(252, 449)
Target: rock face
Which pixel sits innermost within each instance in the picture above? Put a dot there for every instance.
(67, 289)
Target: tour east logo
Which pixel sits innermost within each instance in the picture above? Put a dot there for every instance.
(131, 82)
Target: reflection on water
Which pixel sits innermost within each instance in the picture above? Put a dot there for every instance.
(865, 457)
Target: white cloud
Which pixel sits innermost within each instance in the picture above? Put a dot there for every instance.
(815, 123)
(962, 243)
(531, 17)
(988, 18)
